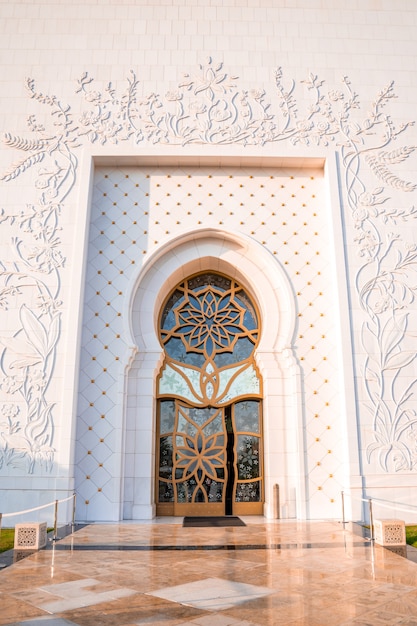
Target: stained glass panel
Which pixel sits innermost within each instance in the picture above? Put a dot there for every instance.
(202, 280)
(166, 492)
(209, 453)
(249, 492)
(247, 416)
(248, 457)
(167, 416)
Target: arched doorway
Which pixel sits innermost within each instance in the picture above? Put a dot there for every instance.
(282, 422)
(209, 417)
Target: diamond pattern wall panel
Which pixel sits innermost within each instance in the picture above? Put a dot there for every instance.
(136, 210)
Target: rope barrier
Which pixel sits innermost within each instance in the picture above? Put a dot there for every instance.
(45, 506)
(370, 501)
(66, 499)
(397, 508)
(38, 508)
(381, 503)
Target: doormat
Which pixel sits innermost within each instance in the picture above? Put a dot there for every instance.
(212, 522)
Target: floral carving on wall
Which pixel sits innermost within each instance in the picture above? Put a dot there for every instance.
(208, 108)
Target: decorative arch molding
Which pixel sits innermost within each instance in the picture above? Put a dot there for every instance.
(250, 264)
(236, 255)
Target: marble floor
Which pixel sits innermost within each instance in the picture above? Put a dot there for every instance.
(266, 573)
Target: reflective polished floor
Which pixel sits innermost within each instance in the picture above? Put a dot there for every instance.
(159, 573)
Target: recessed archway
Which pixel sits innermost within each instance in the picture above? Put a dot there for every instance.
(256, 269)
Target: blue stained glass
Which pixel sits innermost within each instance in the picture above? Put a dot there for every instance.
(165, 461)
(169, 320)
(242, 351)
(214, 427)
(167, 416)
(249, 321)
(248, 492)
(169, 307)
(246, 415)
(209, 320)
(194, 302)
(200, 416)
(184, 426)
(209, 331)
(248, 457)
(224, 302)
(244, 299)
(166, 492)
(176, 350)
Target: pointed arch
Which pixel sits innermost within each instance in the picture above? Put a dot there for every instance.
(250, 264)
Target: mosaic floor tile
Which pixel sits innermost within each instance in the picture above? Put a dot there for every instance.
(212, 594)
(281, 573)
(45, 621)
(217, 620)
(78, 593)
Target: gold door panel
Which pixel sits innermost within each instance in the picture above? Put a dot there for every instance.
(209, 444)
(206, 465)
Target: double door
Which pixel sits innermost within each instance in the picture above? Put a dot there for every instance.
(210, 459)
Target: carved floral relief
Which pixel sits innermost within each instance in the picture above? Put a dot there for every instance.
(209, 108)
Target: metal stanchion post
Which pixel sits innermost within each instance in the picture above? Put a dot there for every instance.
(55, 521)
(73, 511)
(343, 509)
(276, 502)
(371, 519)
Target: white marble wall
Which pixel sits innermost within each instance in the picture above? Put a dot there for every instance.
(205, 84)
(139, 212)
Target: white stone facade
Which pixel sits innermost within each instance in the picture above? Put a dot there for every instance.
(154, 140)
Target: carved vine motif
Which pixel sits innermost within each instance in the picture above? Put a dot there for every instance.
(32, 274)
(209, 108)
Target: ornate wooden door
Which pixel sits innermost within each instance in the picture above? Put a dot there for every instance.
(209, 448)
